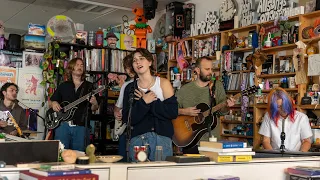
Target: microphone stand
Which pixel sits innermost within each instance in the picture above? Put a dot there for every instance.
(129, 128)
(282, 137)
(33, 111)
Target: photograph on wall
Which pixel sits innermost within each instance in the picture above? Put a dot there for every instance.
(31, 93)
(128, 42)
(7, 74)
(10, 59)
(31, 59)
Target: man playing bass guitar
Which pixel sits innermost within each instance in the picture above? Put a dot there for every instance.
(72, 133)
(197, 92)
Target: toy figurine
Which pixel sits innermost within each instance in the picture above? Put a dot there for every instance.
(90, 153)
(141, 28)
(2, 39)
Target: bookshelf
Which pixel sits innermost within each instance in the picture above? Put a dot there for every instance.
(259, 109)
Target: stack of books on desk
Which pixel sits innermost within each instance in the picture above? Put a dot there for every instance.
(304, 173)
(226, 151)
(67, 174)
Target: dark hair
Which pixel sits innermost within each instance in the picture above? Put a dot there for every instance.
(199, 60)
(127, 62)
(71, 64)
(145, 53)
(5, 87)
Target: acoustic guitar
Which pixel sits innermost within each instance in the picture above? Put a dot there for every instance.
(188, 130)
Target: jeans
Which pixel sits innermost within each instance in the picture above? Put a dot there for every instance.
(122, 151)
(151, 140)
(72, 137)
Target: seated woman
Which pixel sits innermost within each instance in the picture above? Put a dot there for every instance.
(281, 116)
(153, 109)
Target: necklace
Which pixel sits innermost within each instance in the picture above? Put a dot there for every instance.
(150, 85)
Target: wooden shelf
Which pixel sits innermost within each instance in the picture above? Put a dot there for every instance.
(311, 15)
(315, 127)
(280, 48)
(113, 94)
(261, 106)
(236, 122)
(287, 89)
(233, 91)
(276, 75)
(309, 106)
(236, 136)
(246, 28)
(240, 50)
(203, 36)
(292, 18)
(235, 72)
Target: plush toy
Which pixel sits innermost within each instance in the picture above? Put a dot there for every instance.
(69, 156)
(141, 28)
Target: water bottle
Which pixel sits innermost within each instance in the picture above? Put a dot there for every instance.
(158, 155)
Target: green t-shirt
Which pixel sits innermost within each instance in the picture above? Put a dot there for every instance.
(191, 95)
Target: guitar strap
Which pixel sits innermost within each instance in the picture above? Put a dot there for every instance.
(212, 96)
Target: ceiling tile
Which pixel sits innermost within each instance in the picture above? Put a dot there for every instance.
(79, 17)
(9, 8)
(34, 14)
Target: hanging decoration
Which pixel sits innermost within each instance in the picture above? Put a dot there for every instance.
(271, 9)
(247, 12)
(208, 26)
(141, 28)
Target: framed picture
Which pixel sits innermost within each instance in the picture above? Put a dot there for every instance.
(31, 59)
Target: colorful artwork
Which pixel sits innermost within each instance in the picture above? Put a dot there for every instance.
(7, 75)
(31, 59)
(128, 42)
(31, 92)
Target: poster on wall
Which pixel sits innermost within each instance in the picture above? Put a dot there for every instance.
(31, 93)
(7, 75)
(31, 59)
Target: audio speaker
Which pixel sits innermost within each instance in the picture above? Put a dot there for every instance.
(14, 42)
(149, 8)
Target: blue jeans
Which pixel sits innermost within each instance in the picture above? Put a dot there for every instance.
(72, 137)
(152, 140)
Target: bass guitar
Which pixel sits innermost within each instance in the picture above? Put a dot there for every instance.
(54, 118)
(188, 130)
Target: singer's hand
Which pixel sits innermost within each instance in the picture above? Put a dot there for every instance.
(150, 97)
(3, 124)
(138, 94)
(56, 106)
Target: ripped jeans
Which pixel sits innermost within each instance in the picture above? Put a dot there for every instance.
(151, 140)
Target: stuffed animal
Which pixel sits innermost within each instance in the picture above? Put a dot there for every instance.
(141, 28)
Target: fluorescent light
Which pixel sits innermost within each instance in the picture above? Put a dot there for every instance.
(102, 4)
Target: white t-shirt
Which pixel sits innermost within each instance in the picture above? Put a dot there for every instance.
(119, 103)
(295, 131)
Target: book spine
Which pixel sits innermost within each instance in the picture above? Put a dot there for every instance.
(233, 145)
(63, 173)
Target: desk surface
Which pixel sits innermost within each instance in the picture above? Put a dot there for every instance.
(9, 168)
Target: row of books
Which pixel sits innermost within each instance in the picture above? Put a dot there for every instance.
(54, 171)
(237, 80)
(304, 173)
(226, 151)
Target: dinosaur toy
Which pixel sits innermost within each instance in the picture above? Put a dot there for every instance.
(141, 28)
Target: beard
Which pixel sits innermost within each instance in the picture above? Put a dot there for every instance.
(205, 78)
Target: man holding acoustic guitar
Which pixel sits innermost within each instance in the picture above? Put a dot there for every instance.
(9, 104)
(77, 93)
(189, 98)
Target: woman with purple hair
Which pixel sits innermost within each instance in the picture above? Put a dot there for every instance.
(281, 117)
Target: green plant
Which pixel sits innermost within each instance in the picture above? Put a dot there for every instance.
(52, 67)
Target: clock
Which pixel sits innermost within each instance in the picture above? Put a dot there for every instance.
(228, 9)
